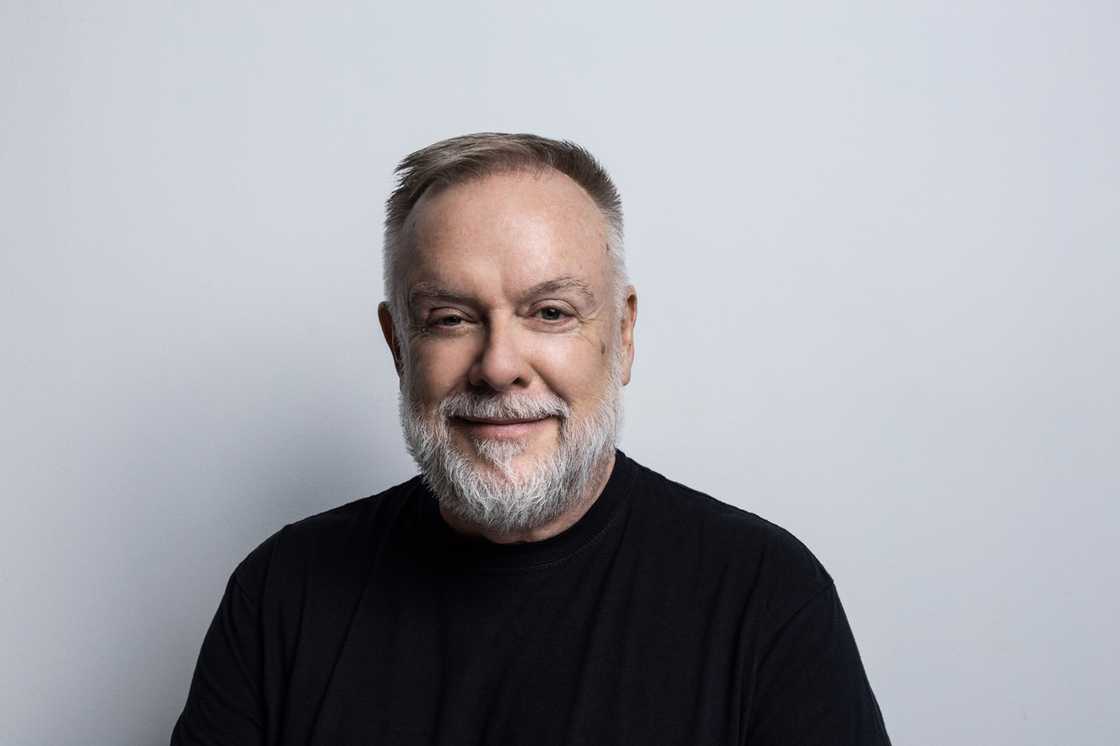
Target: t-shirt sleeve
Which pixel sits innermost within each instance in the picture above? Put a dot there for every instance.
(225, 704)
(811, 687)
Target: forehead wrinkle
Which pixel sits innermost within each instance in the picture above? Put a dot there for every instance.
(475, 202)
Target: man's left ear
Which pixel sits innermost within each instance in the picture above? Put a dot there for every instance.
(385, 316)
(627, 322)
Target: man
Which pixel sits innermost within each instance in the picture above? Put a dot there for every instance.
(534, 585)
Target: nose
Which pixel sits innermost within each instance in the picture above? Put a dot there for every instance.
(501, 363)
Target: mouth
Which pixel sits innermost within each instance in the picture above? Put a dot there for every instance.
(495, 421)
(498, 429)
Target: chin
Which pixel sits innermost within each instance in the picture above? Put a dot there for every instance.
(512, 459)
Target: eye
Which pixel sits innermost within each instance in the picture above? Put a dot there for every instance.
(552, 313)
(447, 321)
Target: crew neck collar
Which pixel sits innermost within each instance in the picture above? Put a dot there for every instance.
(476, 551)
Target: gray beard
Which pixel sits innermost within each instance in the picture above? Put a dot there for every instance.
(498, 498)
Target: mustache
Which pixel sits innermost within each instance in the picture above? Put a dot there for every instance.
(507, 406)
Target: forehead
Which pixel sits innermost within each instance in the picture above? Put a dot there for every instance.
(506, 232)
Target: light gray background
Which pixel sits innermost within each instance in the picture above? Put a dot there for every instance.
(877, 247)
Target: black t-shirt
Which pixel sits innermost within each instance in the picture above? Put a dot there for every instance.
(661, 617)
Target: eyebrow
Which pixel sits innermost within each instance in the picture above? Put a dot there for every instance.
(427, 289)
(558, 285)
(434, 290)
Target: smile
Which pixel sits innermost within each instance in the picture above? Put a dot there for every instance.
(499, 428)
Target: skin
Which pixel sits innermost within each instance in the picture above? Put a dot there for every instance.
(509, 287)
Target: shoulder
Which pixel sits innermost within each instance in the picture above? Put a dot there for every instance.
(696, 527)
(321, 542)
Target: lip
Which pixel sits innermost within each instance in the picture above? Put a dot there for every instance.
(500, 429)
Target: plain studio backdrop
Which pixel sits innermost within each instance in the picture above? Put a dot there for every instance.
(877, 249)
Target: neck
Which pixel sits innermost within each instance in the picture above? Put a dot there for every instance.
(556, 526)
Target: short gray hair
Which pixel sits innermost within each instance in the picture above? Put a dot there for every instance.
(468, 157)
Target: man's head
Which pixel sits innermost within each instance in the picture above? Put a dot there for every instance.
(511, 324)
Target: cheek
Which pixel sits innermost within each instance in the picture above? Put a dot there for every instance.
(438, 367)
(576, 373)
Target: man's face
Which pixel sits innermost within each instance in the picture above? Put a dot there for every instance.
(512, 321)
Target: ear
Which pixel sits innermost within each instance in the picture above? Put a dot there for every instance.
(627, 322)
(389, 330)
